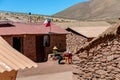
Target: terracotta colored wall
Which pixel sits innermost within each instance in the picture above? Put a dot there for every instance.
(8, 39)
(59, 41)
(29, 44)
(8, 75)
(29, 48)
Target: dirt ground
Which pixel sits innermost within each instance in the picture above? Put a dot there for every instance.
(49, 70)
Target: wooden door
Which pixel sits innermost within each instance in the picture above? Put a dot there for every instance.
(40, 49)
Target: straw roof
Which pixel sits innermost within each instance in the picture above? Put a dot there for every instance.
(108, 34)
(65, 25)
(89, 31)
(10, 59)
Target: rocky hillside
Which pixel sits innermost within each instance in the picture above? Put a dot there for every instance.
(93, 10)
(24, 17)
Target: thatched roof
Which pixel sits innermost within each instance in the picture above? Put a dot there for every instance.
(89, 31)
(109, 34)
(65, 25)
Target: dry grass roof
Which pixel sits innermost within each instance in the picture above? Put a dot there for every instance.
(89, 31)
(109, 34)
(65, 25)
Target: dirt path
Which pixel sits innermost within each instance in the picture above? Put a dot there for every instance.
(54, 76)
(50, 70)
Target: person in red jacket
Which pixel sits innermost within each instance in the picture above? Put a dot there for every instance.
(70, 57)
(66, 55)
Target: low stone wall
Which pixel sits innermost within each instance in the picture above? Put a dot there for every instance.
(75, 42)
(99, 63)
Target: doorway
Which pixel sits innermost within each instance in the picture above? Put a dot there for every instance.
(40, 49)
(18, 43)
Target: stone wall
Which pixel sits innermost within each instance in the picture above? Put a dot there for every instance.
(99, 63)
(75, 42)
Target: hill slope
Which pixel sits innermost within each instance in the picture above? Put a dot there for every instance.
(24, 17)
(93, 10)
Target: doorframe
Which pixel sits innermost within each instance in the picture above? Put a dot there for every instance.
(40, 48)
(21, 43)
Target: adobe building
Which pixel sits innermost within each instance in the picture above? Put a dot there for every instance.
(99, 59)
(30, 39)
(82, 35)
(82, 32)
(11, 61)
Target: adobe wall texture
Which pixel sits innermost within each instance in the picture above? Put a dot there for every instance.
(75, 42)
(29, 44)
(59, 41)
(8, 75)
(103, 62)
(8, 39)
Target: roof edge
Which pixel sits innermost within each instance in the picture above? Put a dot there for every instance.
(108, 34)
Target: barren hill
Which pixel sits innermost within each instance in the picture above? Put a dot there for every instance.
(93, 10)
(24, 17)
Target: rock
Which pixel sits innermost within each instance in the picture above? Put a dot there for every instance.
(109, 67)
(101, 72)
(117, 69)
(118, 65)
(77, 71)
(111, 57)
(88, 75)
(75, 77)
(98, 47)
(115, 42)
(117, 76)
(114, 48)
(94, 79)
(106, 53)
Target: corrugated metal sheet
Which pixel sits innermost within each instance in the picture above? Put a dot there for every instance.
(22, 28)
(89, 31)
(10, 59)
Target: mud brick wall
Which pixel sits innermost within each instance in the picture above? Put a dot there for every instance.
(58, 40)
(75, 42)
(29, 46)
(102, 63)
(8, 39)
